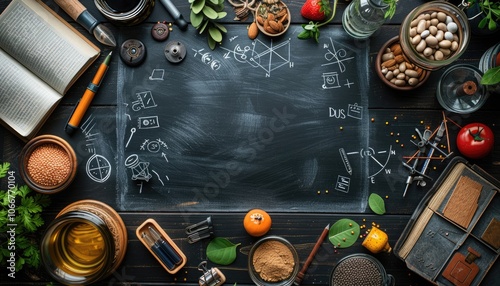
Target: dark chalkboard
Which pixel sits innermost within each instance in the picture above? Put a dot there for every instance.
(282, 122)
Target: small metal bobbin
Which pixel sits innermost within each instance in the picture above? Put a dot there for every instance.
(133, 52)
(161, 30)
(175, 51)
(210, 277)
(199, 231)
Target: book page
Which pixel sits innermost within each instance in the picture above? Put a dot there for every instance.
(24, 98)
(46, 46)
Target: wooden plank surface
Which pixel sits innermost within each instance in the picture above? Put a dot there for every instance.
(301, 167)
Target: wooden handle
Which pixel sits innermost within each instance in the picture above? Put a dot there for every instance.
(73, 7)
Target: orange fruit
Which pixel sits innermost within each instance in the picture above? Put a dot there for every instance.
(257, 222)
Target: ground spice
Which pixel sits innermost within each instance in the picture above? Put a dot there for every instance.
(274, 261)
(49, 165)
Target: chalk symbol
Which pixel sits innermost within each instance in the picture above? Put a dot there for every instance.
(343, 184)
(98, 168)
(148, 122)
(338, 57)
(378, 159)
(140, 170)
(144, 100)
(132, 131)
(355, 111)
(157, 74)
(330, 80)
(345, 160)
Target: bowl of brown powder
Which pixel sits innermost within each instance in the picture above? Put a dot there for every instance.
(273, 261)
(48, 164)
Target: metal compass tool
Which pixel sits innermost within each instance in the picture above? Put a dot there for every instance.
(416, 175)
(433, 145)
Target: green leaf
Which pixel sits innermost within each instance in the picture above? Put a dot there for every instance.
(377, 204)
(210, 12)
(198, 6)
(220, 27)
(211, 43)
(215, 34)
(196, 19)
(221, 15)
(4, 168)
(491, 76)
(344, 233)
(202, 27)
(221, 251)
(215, 2)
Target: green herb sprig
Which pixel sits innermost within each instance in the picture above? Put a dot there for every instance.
(27, 219)
(204, 16)
(392, 8)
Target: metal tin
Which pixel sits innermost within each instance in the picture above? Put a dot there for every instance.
(131, 17)
(133, 52)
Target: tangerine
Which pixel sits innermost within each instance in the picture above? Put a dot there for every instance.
(257, 222)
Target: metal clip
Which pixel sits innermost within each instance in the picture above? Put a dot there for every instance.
(210, 277)
(200, 230)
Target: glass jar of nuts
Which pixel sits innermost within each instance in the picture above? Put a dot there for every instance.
(395, 70)
(434, 34)
(48, 164)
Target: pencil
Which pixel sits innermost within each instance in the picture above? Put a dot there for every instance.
(300, 276)
(84, 103)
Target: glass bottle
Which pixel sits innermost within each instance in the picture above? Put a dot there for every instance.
(363, 17)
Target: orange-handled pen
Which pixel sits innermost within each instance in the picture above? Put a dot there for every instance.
(84, 103)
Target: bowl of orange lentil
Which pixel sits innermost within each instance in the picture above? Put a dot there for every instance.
(48, 164)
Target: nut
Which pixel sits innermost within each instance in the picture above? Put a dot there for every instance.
(253, 31)
(389, 63)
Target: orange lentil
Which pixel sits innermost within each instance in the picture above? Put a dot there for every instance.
(49, 165)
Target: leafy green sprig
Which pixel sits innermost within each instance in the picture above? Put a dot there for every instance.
(311, 30)
(392, 8)
(27, 219)
(204, 16)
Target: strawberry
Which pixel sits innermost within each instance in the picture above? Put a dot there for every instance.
(315, 10)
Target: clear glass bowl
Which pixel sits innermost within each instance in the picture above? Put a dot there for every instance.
(463, 34)
(255, 276)
(459, 89)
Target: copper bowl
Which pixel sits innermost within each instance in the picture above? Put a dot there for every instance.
(70, 166)
(378, 67)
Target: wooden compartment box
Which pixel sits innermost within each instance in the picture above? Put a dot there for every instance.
(453, 237)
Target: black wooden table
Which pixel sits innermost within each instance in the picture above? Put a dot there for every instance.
(232, 134)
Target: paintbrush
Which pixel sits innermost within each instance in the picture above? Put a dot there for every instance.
(300, 276)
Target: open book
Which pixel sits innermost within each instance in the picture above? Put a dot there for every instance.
(41, 56)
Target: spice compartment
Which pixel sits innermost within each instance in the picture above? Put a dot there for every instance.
(161, 246)
(455, 228)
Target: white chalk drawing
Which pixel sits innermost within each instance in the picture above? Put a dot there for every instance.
(355, 111)
(330, 80)
(208, 59)
(98, 168)
(343, 184)
(268, 57)
(132, 131)
(140, 169)
(334, 56)
(157, 74)
(378, 160)
(153, 146)
(345, 160)
(144, 100)
(148, 122)
(159, 178)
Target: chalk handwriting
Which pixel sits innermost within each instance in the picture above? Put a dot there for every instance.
(98, 168)
(343, 184)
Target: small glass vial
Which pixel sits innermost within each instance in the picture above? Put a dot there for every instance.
(363, 17)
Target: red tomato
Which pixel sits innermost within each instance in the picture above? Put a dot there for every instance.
(475, 140)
